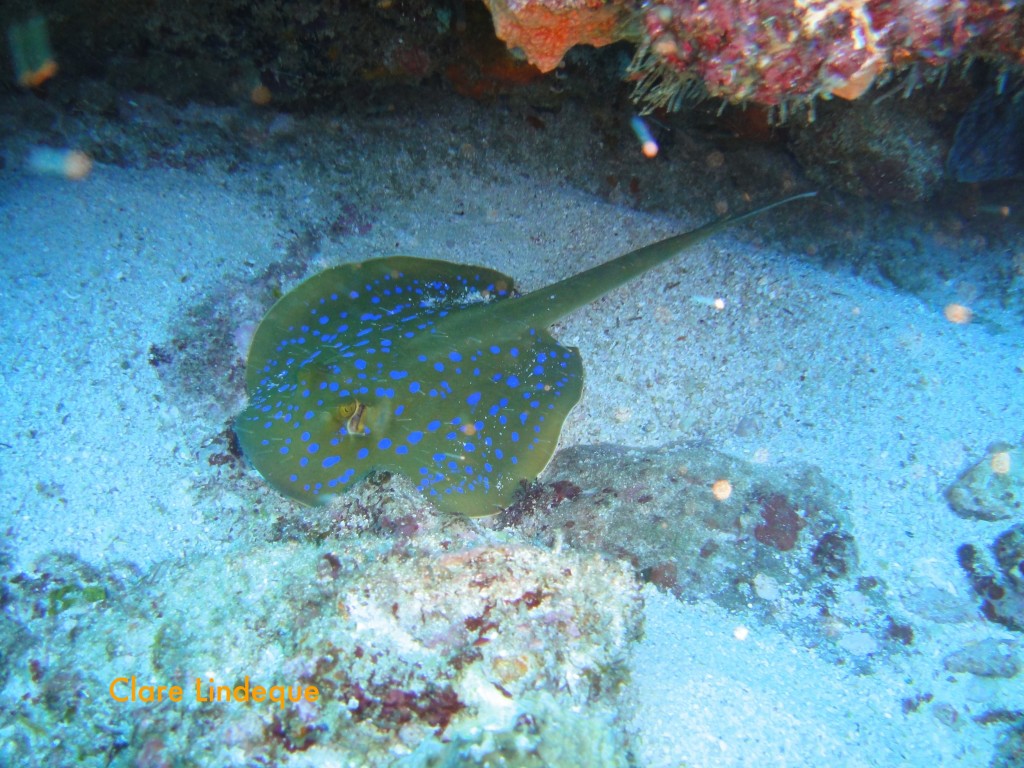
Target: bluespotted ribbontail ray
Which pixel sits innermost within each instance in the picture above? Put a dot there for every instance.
(425, 368)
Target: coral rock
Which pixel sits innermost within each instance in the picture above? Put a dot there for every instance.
(997, 576)
(776, 51)
(992, 489)
(545, 29)
(778, 548)
(889, 150)
(413, 629)
(986, 658)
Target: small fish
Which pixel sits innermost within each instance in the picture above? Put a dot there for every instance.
(433, 370)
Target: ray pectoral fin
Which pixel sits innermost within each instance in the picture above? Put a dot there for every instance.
(313, 450)
(498, 426)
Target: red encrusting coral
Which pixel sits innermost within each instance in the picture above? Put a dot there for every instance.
(390, 708)
(485, 67)
(782, 523)
(545, 29)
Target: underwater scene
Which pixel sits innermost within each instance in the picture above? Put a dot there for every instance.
(533, 383)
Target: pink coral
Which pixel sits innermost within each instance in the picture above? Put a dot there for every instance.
(770, 51)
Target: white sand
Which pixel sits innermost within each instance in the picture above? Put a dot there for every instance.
(705, 698)
(872, 385)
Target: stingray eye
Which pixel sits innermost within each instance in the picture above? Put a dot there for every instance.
(343, 411)
(353, 414)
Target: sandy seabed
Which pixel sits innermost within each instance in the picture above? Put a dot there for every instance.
(803, 364)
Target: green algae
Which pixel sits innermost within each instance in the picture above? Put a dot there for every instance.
(67, 596)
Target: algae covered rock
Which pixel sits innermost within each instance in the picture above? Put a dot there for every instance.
(545, 735)
(997, 576)
(423, 641)
(773, 544)
(697, 521)
(992, 489)
(1009, 748)
(888, 150)
(986, 658)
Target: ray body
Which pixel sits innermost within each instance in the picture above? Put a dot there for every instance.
(422, 367)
